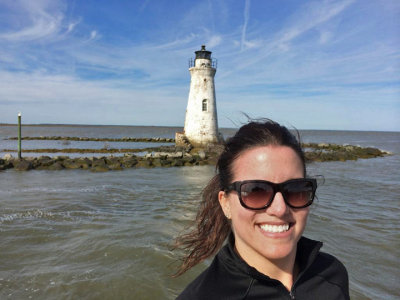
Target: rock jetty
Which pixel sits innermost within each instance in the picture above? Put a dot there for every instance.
(170, 156)
(105, 163)
(90, 139)
(85, 151)
(333, 152)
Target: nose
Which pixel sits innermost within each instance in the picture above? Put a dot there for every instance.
(278, 206)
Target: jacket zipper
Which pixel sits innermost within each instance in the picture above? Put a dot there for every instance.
(291, 292)
(291, 295)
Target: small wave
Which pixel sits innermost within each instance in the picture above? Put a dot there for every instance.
(61, 190)
(69, 216)
(30, 214)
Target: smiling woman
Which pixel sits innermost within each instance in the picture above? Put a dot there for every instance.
(260, 201)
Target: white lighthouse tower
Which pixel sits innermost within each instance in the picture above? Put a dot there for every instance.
(201, 124)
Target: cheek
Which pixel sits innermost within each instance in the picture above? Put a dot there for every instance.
(301, 216)
(240, 215)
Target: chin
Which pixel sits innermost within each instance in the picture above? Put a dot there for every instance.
(278, 252)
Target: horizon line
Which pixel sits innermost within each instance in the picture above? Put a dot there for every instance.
(120, 125)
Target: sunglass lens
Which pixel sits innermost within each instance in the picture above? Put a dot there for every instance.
(256, 194)
(299, 193)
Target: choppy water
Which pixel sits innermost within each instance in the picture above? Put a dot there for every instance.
(81, 235)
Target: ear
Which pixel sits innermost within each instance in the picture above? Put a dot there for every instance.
(225, 204)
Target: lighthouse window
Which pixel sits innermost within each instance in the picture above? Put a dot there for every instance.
(204, 105)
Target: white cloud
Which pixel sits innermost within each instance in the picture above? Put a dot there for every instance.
(37, 20)
(177, 43)
(71, 26)
(282, 44)
(214, 41)
(311, 16)
(246, 17)
(38, 29)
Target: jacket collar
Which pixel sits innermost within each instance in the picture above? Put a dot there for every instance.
(307, 251)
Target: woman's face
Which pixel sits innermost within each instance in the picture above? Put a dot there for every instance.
(255, 233)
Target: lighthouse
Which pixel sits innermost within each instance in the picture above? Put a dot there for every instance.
(201, 124)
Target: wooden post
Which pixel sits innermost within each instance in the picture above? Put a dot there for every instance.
(19, 135)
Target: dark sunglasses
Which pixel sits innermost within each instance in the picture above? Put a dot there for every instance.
(258, 194)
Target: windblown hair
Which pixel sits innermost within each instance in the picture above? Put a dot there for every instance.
(211, 226)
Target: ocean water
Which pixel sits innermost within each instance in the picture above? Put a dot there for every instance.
(74, 234)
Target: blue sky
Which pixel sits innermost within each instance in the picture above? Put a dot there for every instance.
(308, 64)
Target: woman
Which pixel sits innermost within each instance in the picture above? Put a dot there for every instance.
(260, 200)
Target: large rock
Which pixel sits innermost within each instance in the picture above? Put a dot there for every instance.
(7, 156)
(202, 154)
(112, 160)
(371, 152)
(156, 162)
(159, 155)
(177, 163)
(129, 162)
(43, 162)
(5, 164)
(71, 164)
(84, 162)
(55, 166)
(99, 169)
(166, 162)
(99, 165)
(178, 154)
(115, 167)
(98, 162)
(114, 163)
(22, 165)
(143, 163)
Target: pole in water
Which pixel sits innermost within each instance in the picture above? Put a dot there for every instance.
(19, 135)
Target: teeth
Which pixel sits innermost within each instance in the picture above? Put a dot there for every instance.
(275, 228)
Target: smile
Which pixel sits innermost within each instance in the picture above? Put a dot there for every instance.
(275, 228)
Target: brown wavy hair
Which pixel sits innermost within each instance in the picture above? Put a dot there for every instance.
(211, 226)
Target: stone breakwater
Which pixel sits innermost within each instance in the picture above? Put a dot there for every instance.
(87, 139)
(106, 163)
(168, 156)
(333, 152)
(82, 151)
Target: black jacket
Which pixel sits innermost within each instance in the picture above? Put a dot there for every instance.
(321, 276)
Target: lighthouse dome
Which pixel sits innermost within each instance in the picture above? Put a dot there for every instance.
(203, 53)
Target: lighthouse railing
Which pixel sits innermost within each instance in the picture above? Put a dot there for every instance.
(191, 63)
(214, 63)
